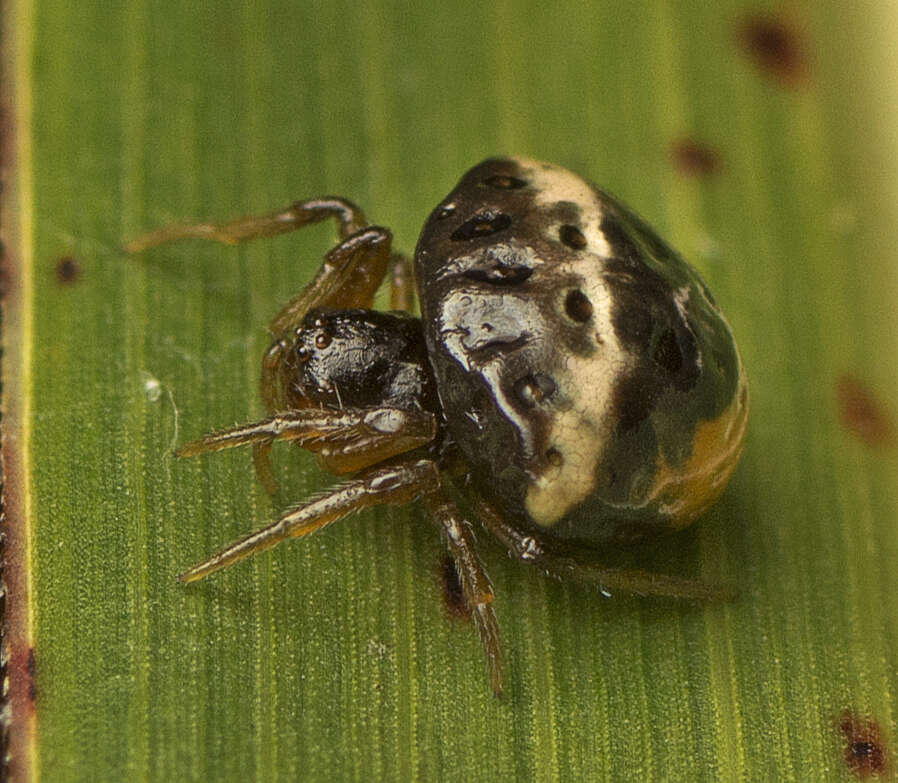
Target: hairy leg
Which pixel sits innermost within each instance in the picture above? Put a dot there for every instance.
(392, 485)
(348, 277)
(348, 439)
(334, 285)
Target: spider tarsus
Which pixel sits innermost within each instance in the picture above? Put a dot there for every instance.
(644, 583)
(200, 571)
(192, 449)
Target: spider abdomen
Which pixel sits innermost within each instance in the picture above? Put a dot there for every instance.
(586, 373)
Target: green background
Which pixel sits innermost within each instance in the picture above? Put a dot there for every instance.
(335, 658)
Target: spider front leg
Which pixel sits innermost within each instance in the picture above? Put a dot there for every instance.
(391, 485)
(348, 277)
(349, 217)
(347, 440)
(530, 549)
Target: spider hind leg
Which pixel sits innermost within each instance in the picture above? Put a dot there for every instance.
(530, 549)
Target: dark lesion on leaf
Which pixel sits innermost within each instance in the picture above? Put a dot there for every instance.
(865, 752)
(68, 270)
(31, 666)
(775, 47)
(862, 413)
(694, 159)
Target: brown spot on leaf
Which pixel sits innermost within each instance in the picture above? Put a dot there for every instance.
(863, 414)
(67, 270)
(865, 752)
(31, 666)
(453, 592)
(775, 47)
(695, 159)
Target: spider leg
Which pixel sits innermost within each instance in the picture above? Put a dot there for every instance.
(348, 439)
(402, 283)
(262, 466)
(474, 581)
(348, 277)
(360, 245)
(349, 217)
(392, 485)
(530, 549)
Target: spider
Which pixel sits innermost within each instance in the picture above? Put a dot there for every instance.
(571, 382)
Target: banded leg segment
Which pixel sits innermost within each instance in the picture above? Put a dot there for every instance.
(475, 583)
(348, 439)
(392, 485)
(530, 549)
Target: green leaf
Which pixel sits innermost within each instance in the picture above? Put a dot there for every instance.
(761, 146)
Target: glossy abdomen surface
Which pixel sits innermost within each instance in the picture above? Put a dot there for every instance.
(589, 378)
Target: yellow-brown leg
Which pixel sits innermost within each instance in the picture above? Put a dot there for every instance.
(348, 439)
(402, 283)
(349, 217)
(391, 485)
(348, 277)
